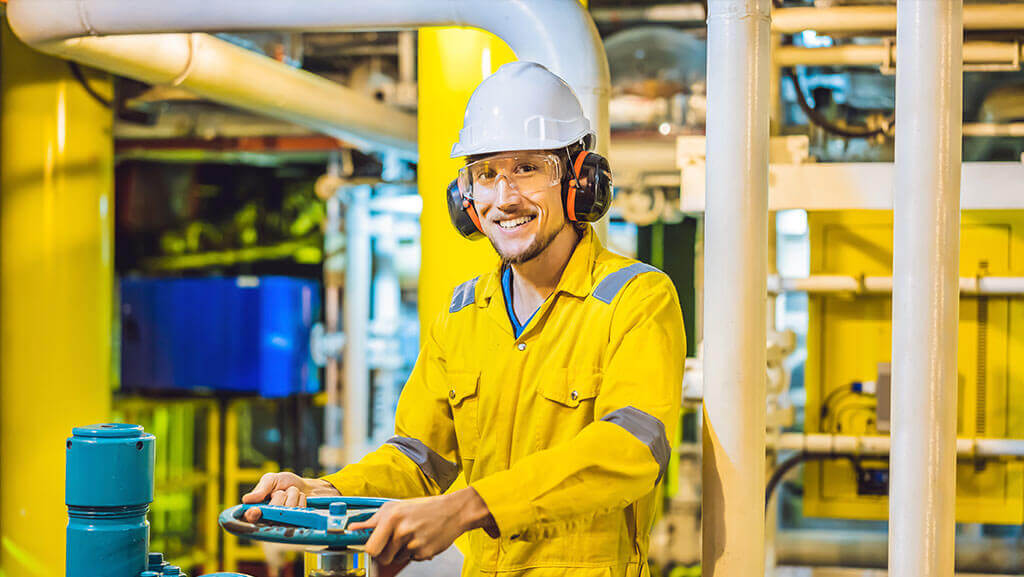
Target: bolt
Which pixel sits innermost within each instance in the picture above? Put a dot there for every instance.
(172, 571)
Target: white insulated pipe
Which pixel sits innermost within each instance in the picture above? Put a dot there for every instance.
(856, 19)
(925, 300)
(556, 33)
(735, 305)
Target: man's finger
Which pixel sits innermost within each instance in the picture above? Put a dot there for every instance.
(395, 546)
(253, 515)
(278, 498)
(367, 524)
(302, 500)
(262, 489)
(380, 536)
(292, 496)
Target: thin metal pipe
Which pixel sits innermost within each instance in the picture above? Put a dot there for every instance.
(356, 317)
(853, 19)
(879, 445)
(926, 240)
(978, 53)
(736, 233)
(824, 284)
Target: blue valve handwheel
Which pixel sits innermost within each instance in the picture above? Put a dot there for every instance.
(233, 521)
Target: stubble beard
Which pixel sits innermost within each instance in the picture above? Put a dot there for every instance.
(538, 246)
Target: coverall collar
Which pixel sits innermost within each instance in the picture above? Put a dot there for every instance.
(577, 278)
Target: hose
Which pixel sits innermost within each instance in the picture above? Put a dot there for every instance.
(816, 118)
(793, 460)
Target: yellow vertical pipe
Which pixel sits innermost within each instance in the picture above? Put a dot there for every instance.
(452, 62)
(56, 259)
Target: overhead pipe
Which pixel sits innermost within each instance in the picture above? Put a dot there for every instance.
(557, 33)
(735, 237)
(859, 19)
(228, 74)
(925, 300)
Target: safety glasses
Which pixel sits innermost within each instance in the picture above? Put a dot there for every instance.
(525, 171)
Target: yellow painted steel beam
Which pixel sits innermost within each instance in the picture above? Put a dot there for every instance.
(56, 278)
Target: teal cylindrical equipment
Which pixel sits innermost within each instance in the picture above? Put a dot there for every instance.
(109, 486)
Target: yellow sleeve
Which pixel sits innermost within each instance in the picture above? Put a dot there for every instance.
(620, 457)
(420, 460)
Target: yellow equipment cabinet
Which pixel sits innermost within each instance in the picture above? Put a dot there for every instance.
(849, 334)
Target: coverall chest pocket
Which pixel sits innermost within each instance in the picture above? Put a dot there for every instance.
(462, 397)
(566, 405)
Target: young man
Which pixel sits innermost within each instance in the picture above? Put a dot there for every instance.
(552, 383)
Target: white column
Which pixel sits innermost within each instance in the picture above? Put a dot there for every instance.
(736, 237)
(926, 233)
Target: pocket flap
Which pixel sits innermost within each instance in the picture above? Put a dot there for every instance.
(462, 384)
(569, 388)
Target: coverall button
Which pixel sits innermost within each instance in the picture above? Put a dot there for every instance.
(574, 395)
(521, 346)
(451, 394)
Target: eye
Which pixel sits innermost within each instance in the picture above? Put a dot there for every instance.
(485, 173)
(526, 168)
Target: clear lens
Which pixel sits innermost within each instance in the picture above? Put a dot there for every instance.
(526, 172)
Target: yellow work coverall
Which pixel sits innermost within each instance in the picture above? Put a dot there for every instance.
(564, 432)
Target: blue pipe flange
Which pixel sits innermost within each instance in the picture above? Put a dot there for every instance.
(324, 521)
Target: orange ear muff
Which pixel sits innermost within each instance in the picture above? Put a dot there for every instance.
(471, 211)
(570, 197)
(462, 213)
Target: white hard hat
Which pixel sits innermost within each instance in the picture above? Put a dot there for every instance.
(522, 106)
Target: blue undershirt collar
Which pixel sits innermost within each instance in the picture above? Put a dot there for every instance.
(506, 289)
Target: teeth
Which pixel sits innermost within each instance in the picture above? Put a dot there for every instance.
(515, 222)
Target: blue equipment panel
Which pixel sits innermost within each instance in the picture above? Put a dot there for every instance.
(245, 335)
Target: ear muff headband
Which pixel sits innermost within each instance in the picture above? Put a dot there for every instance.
(570, 198)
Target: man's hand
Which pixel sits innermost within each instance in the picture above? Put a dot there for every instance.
(287, 490)
(419, 529)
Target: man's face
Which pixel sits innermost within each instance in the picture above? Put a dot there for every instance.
(521, 215)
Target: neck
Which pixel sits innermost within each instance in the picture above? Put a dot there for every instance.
(536, 279)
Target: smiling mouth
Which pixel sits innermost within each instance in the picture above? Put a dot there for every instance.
(515, 222)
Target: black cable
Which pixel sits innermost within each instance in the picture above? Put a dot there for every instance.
(816, 118)
(793, 460)
(76, 71)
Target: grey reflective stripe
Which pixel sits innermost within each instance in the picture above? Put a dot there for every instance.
(465, 295)
(434, 466)
(648, 429)
(613, 283)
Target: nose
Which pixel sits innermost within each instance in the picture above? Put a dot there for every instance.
(505, 193)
